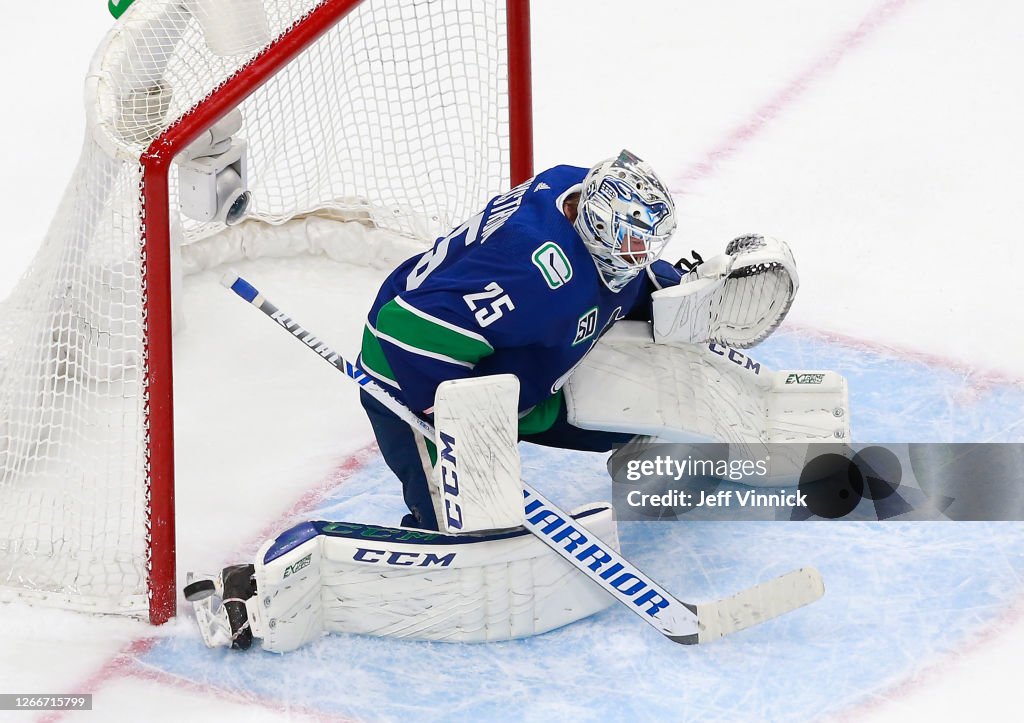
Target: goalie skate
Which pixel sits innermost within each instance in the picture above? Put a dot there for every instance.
(220, 605)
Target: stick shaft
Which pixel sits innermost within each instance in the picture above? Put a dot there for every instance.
(249, 293)
(596, 559)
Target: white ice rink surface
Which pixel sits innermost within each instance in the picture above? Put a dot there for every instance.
(881, 139)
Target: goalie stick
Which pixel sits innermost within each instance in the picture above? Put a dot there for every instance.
(679, 621)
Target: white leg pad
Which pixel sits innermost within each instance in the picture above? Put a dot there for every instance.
(478, 468)
(322, 577)
(701, 393)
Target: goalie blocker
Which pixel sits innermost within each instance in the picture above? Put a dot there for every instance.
(476, 482)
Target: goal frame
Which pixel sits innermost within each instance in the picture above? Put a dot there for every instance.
(155, 224)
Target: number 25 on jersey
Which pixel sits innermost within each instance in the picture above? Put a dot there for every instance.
(489, 305)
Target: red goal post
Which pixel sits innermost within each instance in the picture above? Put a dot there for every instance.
(143, 374)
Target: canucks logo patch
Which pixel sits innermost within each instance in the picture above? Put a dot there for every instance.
(586, 326)
(553, 264)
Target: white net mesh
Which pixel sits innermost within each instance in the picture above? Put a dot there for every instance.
(397, 116)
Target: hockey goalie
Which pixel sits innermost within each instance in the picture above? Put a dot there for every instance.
(546, 318)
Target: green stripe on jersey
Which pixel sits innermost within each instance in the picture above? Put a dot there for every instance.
(431, 451)
(372, 356)
(542, 417)
(418, 331)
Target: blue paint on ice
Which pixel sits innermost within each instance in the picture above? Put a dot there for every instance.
(898, 594)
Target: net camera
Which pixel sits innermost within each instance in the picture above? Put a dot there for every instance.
(213, 174)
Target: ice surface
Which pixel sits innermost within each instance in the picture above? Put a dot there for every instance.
(897, 594)
(881, 139)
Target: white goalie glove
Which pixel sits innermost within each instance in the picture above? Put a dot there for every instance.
(738, 298)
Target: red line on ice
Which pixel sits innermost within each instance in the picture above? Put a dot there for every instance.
(308, 501)
(115, 667)
(977, 377)
(876, 700)
(155, 675)
(738, 137)
(124, 663)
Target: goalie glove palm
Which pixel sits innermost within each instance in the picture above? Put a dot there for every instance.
(738, 298)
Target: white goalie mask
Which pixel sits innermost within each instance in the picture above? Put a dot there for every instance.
(626, 217)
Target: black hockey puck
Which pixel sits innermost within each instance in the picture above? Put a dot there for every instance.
(199, 590)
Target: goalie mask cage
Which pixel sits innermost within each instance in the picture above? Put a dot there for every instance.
(403, 115)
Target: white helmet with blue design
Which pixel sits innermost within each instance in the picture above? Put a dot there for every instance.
(626, 217)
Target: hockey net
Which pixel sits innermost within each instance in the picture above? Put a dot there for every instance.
(394, 116)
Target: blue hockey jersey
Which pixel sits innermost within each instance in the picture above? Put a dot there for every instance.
(512, 290)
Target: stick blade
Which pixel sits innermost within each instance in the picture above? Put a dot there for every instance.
(759, 603)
